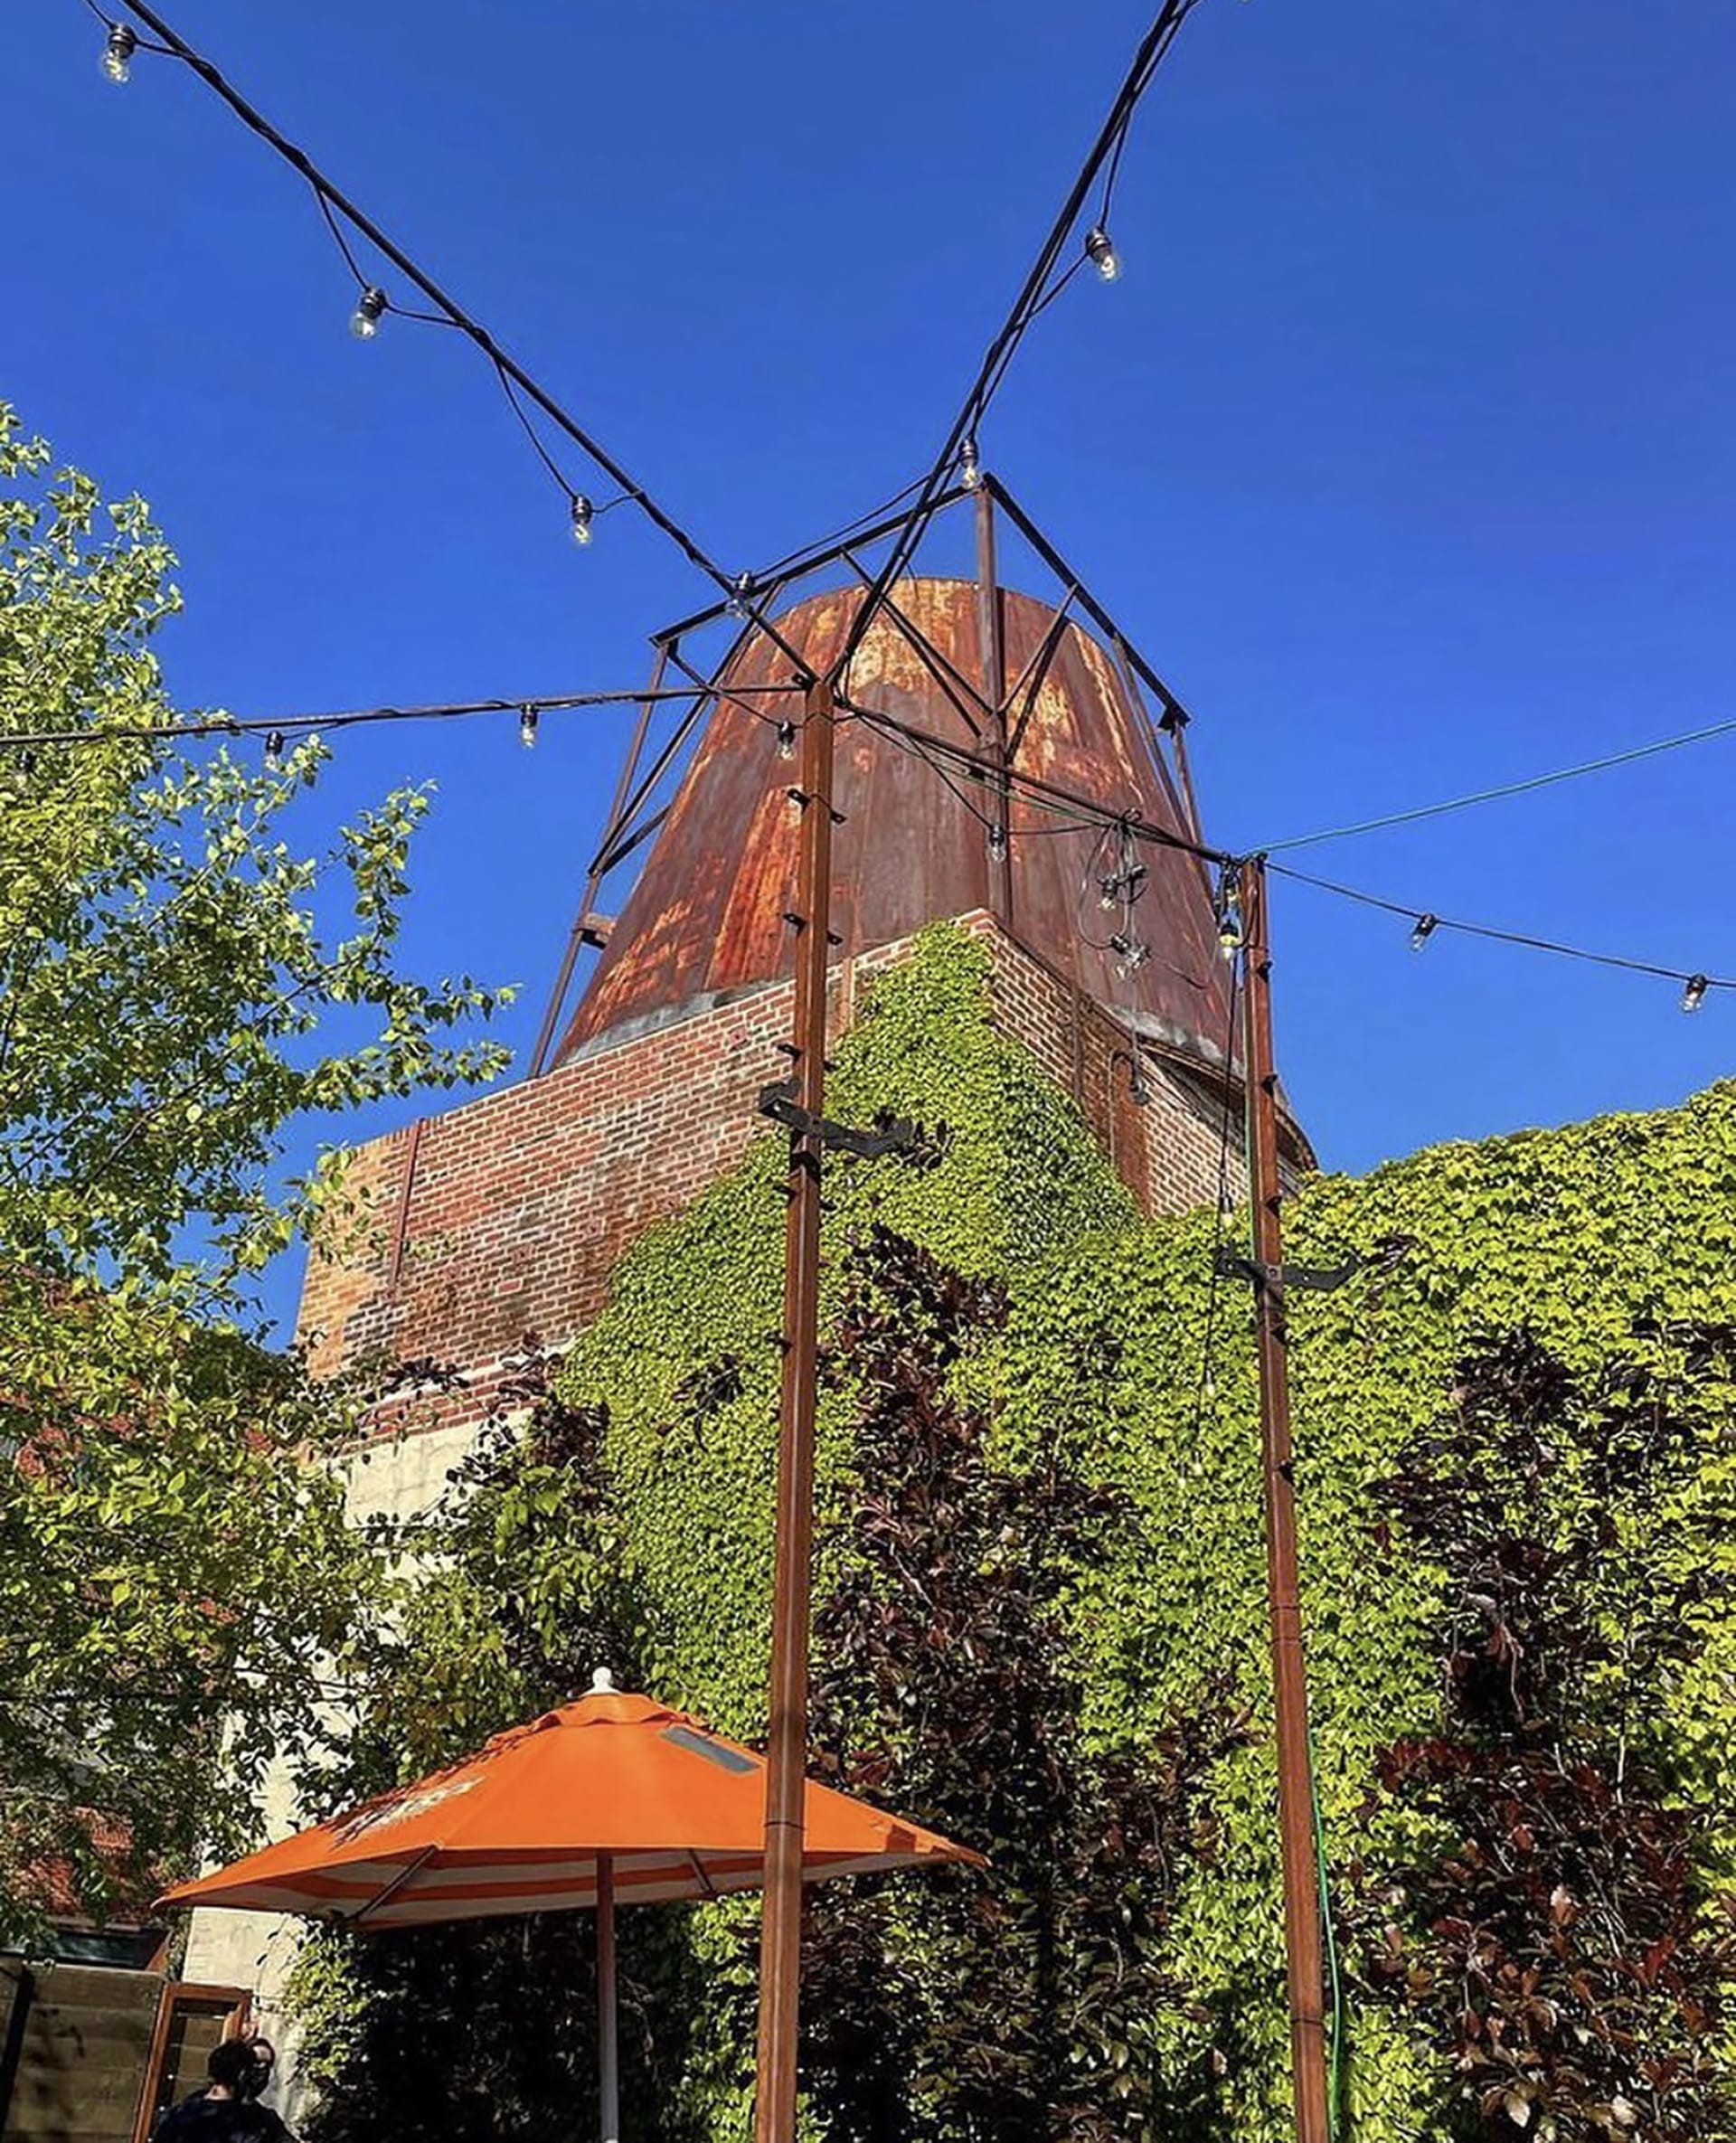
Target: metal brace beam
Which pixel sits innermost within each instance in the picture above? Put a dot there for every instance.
(779, 1103)
(1231, 1264)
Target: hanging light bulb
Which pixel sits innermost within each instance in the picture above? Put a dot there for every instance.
(970, 465)
(786, 739)
(117, 62)
(274, 750)
(527, 728)
(1122, 888)
(1695, 994)
(370, 310)
(998, 844)
(1099, 250)
(1230, 924)
(583, 514)
(1427, 925)
(1129, 952)
(736, 605)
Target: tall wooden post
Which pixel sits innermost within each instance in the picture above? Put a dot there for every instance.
(774, 2119)
(1302, 1926)
(994, 733)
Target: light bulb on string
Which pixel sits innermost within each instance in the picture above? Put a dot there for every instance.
(737, 604)
(1122, 888)
(786, 739)
(1693, 994)
(970, 465)
(527, 728)
(1427, 925)
(583, 514)
(117, 62)
(1231, 932)
(1099, 250)
(998, 844)
(274, 751)
(370, 310)
(1129, 952)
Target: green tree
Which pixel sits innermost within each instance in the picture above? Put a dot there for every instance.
(174, 1581)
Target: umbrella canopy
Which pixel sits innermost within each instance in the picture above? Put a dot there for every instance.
(668, 1808)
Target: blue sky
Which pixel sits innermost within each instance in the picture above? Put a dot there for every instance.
(1405, 444)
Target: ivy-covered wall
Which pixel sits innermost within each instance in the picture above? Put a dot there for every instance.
(1598, 1240)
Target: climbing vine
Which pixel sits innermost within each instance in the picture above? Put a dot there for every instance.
(1003, 1328)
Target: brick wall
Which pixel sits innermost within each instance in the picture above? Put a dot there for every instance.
(505, 1215)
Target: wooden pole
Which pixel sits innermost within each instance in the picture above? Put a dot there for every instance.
(1302, 1929)
(609, 2037)
(774, 2118)
(993, 653)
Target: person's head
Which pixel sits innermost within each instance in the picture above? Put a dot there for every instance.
(242, 2066)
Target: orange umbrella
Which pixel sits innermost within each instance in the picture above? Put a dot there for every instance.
(616, 1798)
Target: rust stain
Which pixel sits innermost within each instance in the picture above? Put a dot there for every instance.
(706, 915)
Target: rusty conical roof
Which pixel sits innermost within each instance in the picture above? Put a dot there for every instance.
(704, 920)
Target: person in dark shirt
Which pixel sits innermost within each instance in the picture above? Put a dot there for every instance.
(227, 2111)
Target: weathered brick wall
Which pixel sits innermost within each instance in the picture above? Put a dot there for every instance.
(505, 1215)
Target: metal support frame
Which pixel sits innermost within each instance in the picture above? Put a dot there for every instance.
(940, 667)
(593, 877)
(987, 707)
(774, 2119)
(1302, 1922)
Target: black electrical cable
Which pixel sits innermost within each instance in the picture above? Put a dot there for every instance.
(231, 725)
(1032, 294)
(1222, 1210)
(335, 204)
(1036, 789)
(1419, 915)
(1503, 789)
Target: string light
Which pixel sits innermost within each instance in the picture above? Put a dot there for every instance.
(116, 61)
(737, 604)
(1427, 925)
(786, 739)
(583, 514)
(527, 728)
(1129, 952)
(274, 750)
(1696, 987)
(1040, 286)
(1231, 934)
(1122, 888)
(996, 843)
(1099, 250)
(970, 465)
(370, 309)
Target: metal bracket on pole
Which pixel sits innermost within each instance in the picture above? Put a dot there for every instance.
(1231, 1264)
(779, 1103)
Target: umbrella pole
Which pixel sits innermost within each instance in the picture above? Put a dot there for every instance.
(608, 2061)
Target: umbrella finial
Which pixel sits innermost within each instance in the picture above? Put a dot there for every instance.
(602, 1682)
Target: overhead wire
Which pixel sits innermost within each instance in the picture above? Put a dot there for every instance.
(1434, 921)
(1225, 1128)
(1048, 795)
(1040, 288)
(234, 725)
(334, 204)
(1501, 790)
(792, 561)
(1032, 294)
